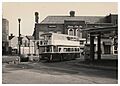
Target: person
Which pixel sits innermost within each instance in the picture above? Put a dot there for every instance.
(86, 53)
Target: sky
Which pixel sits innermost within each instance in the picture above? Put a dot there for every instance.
(25, 10)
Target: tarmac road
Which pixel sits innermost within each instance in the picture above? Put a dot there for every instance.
(56, 73)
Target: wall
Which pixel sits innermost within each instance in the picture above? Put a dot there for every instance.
(46, 28)
(27, 46)
(102, 46)
(5, 29)
(14, 42)
(5, 36)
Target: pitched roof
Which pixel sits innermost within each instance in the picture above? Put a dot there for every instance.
(30, 37)
(60, 19)
(10, 37)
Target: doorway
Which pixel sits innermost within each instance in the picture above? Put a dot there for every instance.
(107, 49)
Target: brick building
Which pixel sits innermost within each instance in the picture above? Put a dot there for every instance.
(72, 25)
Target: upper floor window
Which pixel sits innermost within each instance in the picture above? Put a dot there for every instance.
(77, 32)
(52, 26)
(40, 33)
(71, 32)
(81, 42)
(26, 44)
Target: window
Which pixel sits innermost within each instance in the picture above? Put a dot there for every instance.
(78, 49)
(45, 43)
(71, 32)
(25, 44)
(59, 32)
(49, 37)
(81, 42)
(65, 50)
(77, 32)
(68, 49)
(41, 42)
(88, 35)
(52, 26)
(75, 49)
(28, 44)
(59, 49)
(72, 49)
(40, 33)
(68, 38)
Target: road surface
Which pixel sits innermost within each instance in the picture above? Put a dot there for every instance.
(56, 73)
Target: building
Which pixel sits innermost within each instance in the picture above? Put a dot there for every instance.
(5, 36)
(73, 25)
(27, 44)
(13, 44)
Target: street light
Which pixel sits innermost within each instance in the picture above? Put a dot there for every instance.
(19, 43)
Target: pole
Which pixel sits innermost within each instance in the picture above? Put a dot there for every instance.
(29, 47)
(86, 33)
(19, 37)
(99, 47)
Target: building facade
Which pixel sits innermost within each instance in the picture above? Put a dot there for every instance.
(5, 36)
(27, 44)
(72, 25)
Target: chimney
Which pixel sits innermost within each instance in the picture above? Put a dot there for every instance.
(72, 13)
(36, 17)
(11, 34)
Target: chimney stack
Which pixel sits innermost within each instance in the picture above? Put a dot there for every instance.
(11, 34)
(36, 17)
(72, 13)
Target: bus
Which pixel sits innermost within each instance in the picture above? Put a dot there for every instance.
(58, 47)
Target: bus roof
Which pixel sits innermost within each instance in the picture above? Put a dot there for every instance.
(50, 33)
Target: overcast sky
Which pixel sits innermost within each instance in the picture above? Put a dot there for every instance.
(14, 10)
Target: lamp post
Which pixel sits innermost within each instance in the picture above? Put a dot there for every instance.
(86, 33)
(19, 39)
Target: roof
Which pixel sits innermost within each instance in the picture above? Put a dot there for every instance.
(61, 19)
(103, 29)
(51, 33)
(10, 37)
(30, 37)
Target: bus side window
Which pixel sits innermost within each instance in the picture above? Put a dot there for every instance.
(71, 49)
(59, 49)
(68, 49)
(78, 49)
(41, 42)
(65, 49)
(75, 49)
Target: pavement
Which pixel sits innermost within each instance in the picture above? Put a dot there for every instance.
(107, 62)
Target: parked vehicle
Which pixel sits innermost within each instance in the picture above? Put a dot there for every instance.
(11, 59)
(58, 47)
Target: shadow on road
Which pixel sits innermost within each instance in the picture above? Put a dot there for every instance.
(67, 67)
(73, 67)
